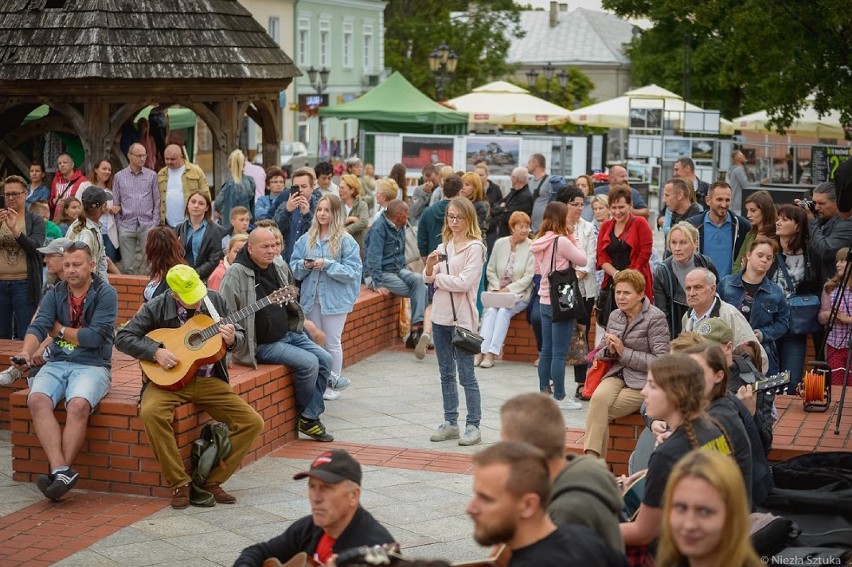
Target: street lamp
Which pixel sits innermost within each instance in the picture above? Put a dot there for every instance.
(548, 71)
(442, 63)
(321, 84)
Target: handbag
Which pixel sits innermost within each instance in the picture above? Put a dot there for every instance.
(595, 374)
(413, 261)
(462, 338)
(603, 305)
(804, 309)
(578, 348)
(565, 297)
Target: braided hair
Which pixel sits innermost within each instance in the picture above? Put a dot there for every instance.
(682, 379)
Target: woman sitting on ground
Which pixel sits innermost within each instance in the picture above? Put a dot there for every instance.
(510, 271)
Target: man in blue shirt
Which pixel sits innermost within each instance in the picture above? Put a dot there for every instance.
(618, 174)
(294, 209)
(385, 267)
(79, 313)
(721, 232)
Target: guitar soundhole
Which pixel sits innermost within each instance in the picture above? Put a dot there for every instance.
(194, 340)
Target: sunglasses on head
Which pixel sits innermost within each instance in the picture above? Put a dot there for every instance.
(76, 245)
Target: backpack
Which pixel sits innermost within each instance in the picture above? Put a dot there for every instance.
(210, 449)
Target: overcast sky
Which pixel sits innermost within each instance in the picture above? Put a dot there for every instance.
(573, 4)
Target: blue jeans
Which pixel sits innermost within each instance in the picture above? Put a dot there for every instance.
(792, 350)
(555, 338)
(451, 359)
(408, 284)
(311, 363)
(15, 306)
(110, 249)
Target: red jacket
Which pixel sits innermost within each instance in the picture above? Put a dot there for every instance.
(641, 240)
(57, 199)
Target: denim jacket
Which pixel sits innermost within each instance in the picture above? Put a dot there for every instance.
(770, 313)
(96, 336)
(385, 250)
(337, 285)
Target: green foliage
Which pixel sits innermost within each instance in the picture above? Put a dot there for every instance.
(747, 55)
(577, 93)
(413, 28)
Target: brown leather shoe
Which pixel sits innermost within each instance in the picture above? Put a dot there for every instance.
(180, 497)
(220, 495)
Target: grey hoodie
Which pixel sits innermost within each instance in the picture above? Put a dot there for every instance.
(585, 493)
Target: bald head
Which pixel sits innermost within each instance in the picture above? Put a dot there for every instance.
(262, 247)
(136, 155)
(520, 177)
(397, 212)
(617, 174)
(173, 156)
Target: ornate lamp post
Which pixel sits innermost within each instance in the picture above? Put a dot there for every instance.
(442, 63)
(548, 70)
(321, 84)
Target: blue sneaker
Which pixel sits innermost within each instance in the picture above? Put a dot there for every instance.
(338, 383)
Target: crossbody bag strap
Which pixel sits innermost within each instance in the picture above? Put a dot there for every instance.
(782, 265)
(452, 303)
(538, 189)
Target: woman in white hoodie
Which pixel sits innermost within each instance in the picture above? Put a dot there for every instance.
(455, 268)
(554, 248)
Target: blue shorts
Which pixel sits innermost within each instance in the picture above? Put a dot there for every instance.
(58, 380)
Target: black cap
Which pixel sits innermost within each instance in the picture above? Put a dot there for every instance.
(94, 196)
(333, 466)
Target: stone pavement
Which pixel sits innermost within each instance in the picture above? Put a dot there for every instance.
(417, 488)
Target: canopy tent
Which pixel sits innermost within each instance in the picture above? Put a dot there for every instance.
(397, 106)
(809, 123)
(179, 117)
(615, 113)
(504, 103)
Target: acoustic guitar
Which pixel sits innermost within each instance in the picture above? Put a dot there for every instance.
(198, 341)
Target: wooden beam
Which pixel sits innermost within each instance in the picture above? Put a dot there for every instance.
(16, 157)
(95, 134)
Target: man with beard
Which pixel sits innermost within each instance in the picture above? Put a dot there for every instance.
(721, 232)
(511, 488)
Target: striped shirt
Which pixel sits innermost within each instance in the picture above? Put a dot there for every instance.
(138, 195)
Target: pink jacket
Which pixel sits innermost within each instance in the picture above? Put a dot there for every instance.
(567, 251)
(462, 281)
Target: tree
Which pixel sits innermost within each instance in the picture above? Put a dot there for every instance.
(577, 93)
(478, 32)
(747, 55)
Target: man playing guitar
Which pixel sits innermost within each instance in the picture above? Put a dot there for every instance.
(208, 388)
(337, 521)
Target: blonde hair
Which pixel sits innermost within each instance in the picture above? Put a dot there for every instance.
(236, 239)
(688, 230)
(720, 472)
(336, 227)
(353, 183)
(446, 171)
(237, 164)
(603, 199)
(387, 188)
(464, 206)
(473, 179)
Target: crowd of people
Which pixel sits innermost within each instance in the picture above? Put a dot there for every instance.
(468, 258)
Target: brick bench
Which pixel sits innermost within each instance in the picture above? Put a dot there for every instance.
(116, 456)
(796, 432)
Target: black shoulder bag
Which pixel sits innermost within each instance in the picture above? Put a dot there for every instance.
(565, 297)
(462, 338)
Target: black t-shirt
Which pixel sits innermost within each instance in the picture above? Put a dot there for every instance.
(619, 250)
(724, 410)
(664, 457)
(569, 544)
(748, 298)
(270, 323)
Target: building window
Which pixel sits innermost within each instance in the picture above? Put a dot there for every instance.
(325, 44)
(274, 29)
(368, 48)
(303, 45)
(348, 59)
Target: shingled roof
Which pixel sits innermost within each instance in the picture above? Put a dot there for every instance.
(55, 40)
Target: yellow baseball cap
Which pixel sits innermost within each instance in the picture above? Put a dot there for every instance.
(185, 283)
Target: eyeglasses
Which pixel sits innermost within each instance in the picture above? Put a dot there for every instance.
(139, 155)
(14, 194)
(454, 218)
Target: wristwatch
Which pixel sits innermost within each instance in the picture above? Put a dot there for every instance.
(62, 333)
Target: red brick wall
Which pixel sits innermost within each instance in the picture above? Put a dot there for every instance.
(520, 341)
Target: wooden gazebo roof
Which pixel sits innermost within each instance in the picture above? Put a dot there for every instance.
(209, 55)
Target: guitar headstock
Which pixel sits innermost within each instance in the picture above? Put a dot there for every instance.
(284, 295)
(773, 382)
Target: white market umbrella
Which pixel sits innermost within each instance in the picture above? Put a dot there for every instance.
(809, 123)
(504, 103)
(615, 113)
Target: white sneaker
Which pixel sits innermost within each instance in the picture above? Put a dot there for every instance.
(445, 432)
(9, 375)
(471, 436)
(422, 346)
(569, 404)
(330, 395)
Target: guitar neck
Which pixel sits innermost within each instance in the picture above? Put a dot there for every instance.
(213, 329)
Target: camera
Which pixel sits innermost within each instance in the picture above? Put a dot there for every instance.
(808, 205)
(2, 200)
(442, 257)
